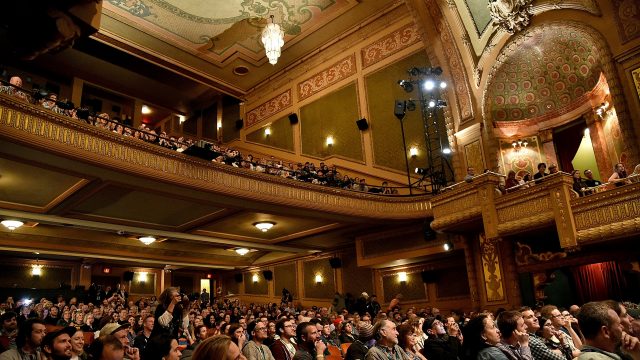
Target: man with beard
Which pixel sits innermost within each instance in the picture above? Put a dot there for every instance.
(284, 348)
(539, 350)
(9, 330)
(255, 350)
(386, 343)
(603, 334)
(28, 341)
(57, 345)
(52, 318)
(439, 345)
(310, 346)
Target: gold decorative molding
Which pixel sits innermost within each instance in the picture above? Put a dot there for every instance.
(526, 256)
(39, 128)
(389, 45)
(491, 269)
(327, 77)
(269, 108)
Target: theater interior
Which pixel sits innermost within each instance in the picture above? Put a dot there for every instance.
(527, 82)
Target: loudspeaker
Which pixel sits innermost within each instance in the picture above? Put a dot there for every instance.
(362, 124)
(239, 124)
(238, 277)
(399, 109)
(293, 118)
(429, 277)
(335, 263)
(428, 232)
(268, 275)
(127, 276)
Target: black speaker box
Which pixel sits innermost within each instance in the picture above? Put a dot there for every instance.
(127, 276)
(362, 124)
(428, 232)
(429, 277)
(238, 277)
(239, 124)
(399, 108)
(335, 263)
(268, 275)
(293, 118)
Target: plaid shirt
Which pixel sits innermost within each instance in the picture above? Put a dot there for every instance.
(515, 352)
(540, 351)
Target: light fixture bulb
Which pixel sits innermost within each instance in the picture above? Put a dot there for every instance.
(255, 278)
(242, 251)
(273, 40)
(443, 85)
(142, 276)
(267, 131)
(12, 224)
(448, 245)
(264, 226)
(446, 151)
(319, 279)
(429, 85)
(402, 276)
(413, 151)
(432, 103)
(146, 110)
(329, 140)
(36, 270)
(147, 240)
(181, 118)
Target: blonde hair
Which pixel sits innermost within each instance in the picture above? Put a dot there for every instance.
(215, 347)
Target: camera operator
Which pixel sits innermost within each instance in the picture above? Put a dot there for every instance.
(170, 314)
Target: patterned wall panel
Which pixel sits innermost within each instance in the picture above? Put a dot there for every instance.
(331, 75)
(413, 289)
(269, 108)
(281, 136)
(614, 140)
(327, 289)
(390, 45)
(523, 161)
(261, 287)
(356, 280)
(382, 90)
(284, 276)
(20, 277)
(473, 155)
(333, 115)
(146, 286)
(492, 269)
(627, 18)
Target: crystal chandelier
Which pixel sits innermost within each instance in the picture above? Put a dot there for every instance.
(273, 39)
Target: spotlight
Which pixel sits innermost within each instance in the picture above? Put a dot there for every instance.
(441, 103)
(448, 245)
(432, 103)
(414, 71)
(443, 85)
(429, 85)
(446, 151)
(411, 105)
(436, 71)
(421, 171)
(406, 85)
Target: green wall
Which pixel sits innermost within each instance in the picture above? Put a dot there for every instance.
(586, 158)
(281, 135)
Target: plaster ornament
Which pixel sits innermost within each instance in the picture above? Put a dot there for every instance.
(511, 15)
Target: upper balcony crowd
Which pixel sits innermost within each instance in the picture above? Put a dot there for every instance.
(326, 175)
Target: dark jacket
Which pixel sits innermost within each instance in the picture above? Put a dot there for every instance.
(445, 348)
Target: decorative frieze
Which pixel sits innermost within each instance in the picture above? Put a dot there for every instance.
(327, 77)
(389, 45)
(269, 108)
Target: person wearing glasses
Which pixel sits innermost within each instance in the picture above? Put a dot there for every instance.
(284, 348)
(255, 349)
(563, 327)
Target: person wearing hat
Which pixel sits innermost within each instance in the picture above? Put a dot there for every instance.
(28, 341)
(56, 345)
(359, 348)
(8, 331)
(122, 333)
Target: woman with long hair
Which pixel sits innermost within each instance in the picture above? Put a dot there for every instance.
(553, 342)
(219, 348)
(77, 346)
(481, 335)
(236, 332)
(169, 313)
(408, 340)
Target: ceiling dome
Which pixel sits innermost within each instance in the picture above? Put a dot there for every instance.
(542, 73)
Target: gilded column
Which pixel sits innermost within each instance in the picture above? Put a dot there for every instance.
(492, 271)
(565, 222)
(546, 136)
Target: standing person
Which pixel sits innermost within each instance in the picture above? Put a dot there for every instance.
(204, 298)
(57, 345)
(255, 349)
(386, 346)
(169, 313)
(310, 347)
(394, 303)
(142, 339)
(284, 348)
(28, 341)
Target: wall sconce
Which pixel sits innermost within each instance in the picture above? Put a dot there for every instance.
(219, 125)
(602, 109)
(448, 245)
(402, 277)
(181, 119)
(267, 131)
(329, 140)
(413, 151)
(143, 276)
(319, 279)
(146, 110)
(36, 269)
(519, 144)
(254, 278)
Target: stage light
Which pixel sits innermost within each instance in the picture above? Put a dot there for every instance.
(446, 151)
(448, 245)
(429, 85)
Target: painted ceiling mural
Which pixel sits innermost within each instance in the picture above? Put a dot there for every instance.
(216, 29)
(547, 71)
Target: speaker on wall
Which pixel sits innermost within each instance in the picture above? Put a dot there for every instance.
(399, 108)
(293, 118)
(238, 277)
(428, 232)
(429, 277)
(362, 124)
(127, 276)
(268, 275)
(335, 263)
(239, 124)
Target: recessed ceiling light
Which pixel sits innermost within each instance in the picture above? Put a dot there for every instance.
(12, 224)
(147, 240)
(241, 70)
(264, 226)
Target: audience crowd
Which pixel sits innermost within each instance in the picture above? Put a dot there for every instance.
(105, 324)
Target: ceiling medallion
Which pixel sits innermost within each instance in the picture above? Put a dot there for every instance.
(511, 15)
(273, 39)
(264, 226)
(241, 70)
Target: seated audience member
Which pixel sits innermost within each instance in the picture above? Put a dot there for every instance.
(579, 185)
(635, 175)
(407, 340)
(481, 337)
(438, 344)
(121, 332)
(143, 337)
(537, 344)
(625, 320)
(218, 347)
(106, 347)
(28, 341)
(563, 327)
(346, 335)
(554, 340)
(309, 345)
(77, 346)
(515, 340)
(386, 343)
(542, 167)
(237, 334)
(56, 345)
(255, 349)
(470, 174)
(619, 176)
(359, 348)
(162, 347)
(284, 348)
(553, 169)
(603, 333)
(14, 90)
(9, 331)
(590, 181)
(511, 180)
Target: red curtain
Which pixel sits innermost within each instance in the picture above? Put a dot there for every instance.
(599, 281)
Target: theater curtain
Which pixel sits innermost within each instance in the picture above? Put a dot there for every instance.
(599, 281)
(567, 143)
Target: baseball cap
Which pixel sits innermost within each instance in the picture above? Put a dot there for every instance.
(112, 328)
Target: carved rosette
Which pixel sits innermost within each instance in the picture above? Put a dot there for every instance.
(511, 15)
